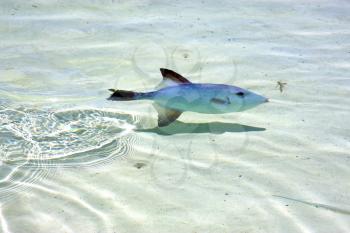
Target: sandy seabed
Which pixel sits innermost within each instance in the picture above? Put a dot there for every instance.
(73, 162)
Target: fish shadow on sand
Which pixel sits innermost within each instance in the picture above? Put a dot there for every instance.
(179, 127)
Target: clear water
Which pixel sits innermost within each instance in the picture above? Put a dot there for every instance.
(70, 161)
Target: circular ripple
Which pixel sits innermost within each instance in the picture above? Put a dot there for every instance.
(186, 59)
(34, 143)
(17, 148)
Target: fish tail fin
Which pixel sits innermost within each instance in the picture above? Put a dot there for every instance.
(122, 95)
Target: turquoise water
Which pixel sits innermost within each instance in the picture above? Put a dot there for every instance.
(71, 161)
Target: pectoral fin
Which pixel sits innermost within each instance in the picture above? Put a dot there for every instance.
(220, 101)
(166, 115)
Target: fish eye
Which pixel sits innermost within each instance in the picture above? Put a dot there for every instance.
(240, 94)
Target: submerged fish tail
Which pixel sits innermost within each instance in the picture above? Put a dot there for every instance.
(123, 95)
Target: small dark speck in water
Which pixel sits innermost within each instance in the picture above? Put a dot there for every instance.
(287, 205)
(303, 158)
(185, 55)
(139, 165)
(35, 6)
(226, 194)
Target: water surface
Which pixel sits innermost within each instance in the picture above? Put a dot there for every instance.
(70, 161)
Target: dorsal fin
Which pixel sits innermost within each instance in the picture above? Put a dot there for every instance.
(172, 75)
(171, 78)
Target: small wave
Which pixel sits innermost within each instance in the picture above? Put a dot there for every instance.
(33, 143)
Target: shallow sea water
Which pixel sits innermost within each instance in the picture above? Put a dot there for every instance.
(71, 161)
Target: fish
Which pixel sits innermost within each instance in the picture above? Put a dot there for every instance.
(175, 94)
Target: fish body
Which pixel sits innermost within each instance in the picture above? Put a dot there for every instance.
(204, 98)
(176, 95)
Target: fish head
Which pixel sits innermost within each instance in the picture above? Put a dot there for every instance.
(243, 99)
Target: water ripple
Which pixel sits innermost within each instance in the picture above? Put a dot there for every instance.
(33, 143)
